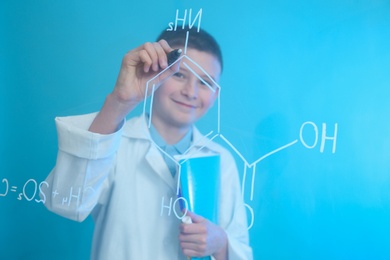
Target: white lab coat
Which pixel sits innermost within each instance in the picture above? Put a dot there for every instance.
(123, 181)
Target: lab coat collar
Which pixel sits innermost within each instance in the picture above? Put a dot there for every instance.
(137, 128)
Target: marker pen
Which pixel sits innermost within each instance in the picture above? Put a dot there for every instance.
(173, 56)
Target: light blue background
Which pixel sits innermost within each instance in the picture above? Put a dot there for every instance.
(286, 63)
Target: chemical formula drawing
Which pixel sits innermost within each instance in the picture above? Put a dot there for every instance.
(320, 137)
(32, 191)
(29, 191)
(249, 172)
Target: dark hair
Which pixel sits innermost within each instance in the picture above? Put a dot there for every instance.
(198, 39)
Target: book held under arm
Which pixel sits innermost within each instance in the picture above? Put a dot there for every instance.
(200, 185)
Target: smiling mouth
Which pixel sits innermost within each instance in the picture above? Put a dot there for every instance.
(185, 104)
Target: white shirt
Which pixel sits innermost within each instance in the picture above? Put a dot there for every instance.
(123, 181)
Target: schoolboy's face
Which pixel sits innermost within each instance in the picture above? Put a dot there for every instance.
(186, 97)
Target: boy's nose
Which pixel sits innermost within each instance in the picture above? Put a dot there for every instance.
(191, 89)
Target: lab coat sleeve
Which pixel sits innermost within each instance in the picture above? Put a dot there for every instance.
(79, 179)
(233, 213)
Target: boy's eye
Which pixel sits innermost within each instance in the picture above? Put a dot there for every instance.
(206, 82)
(179, 75)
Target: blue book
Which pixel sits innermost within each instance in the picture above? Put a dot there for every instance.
(200, 186)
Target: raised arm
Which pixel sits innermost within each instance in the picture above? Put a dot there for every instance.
(87, 144)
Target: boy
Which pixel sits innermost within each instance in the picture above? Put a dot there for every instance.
(118, 174)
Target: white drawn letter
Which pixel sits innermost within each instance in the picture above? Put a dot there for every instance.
(169, 207)
(198, 16)
(324, 138)
(180, 19)
(316, 135)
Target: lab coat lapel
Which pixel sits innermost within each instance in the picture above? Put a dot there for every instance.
(157, 163)
(137, 128)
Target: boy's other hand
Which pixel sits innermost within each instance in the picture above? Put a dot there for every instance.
(202, 238)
